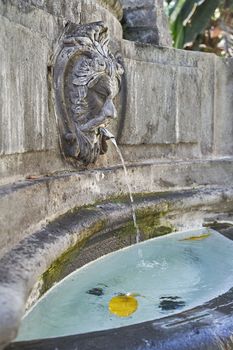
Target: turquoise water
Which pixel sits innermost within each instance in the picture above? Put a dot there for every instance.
(168, 275)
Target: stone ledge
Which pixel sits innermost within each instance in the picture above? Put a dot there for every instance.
(45, 198)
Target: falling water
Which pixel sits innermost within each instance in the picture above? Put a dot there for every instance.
(129, 189)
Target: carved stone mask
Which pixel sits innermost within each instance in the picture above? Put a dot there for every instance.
(87, 77)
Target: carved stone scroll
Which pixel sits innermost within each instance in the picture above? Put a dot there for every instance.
(87, 77)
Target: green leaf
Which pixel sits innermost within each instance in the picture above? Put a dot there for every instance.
(175, 13)
(187, 9)
(171, 6)
(178, 34)
(200, 19)
(177, 26)
(179, 42)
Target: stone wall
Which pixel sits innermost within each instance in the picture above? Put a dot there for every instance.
(174, 129)
(173, 104)
(30, 31)
(178, 104)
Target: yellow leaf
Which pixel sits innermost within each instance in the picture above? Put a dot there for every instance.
(196, 238)
(123, 305)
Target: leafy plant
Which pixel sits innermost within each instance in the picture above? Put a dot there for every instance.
(190, 19)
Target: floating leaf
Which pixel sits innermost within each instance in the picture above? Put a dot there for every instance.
(171, 303)
(123, 305)
(96, 291)
(196, 238)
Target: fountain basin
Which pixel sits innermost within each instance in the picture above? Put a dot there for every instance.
(94, 225)
(162, 277)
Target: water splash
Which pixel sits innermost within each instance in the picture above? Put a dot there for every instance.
(146, 264)
(129, 189)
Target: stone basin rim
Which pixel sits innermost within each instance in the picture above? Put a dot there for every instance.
(200, 323)
(199, 313)
(20, 268)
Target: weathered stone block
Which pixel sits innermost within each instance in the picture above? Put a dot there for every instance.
(24, 91)
(114, 6)
(92, 11)
(137, 18)
(151, 104)
(197, 101)
(206, 68)
(145, 21)
(223, 122)
(57, 8)
(137, 3)
(34, 18)
(145, 35)
(188, 93)
(168, 109)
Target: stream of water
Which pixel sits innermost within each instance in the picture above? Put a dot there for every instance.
(129, 189)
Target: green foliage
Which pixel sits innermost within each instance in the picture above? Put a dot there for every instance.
(200, 19)
(189, 18)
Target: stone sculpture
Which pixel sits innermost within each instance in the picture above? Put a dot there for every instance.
(87, 77)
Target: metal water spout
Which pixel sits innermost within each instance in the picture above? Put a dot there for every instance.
(106, 133)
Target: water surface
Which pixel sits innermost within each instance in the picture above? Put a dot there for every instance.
(166, 275)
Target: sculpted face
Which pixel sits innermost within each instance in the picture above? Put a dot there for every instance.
(101, 108)
(92, 79)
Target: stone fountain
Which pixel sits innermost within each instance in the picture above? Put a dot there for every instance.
(67, 72)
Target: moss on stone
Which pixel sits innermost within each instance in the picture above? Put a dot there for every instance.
(150, 221)
(58, 269)
(62, 266)
(151, 224)
(138, 197)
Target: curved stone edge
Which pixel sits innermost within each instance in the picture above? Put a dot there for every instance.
(45, 198)
(209, 326)
(23, 265)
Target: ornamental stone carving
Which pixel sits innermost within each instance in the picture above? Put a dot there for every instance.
(87, 77)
